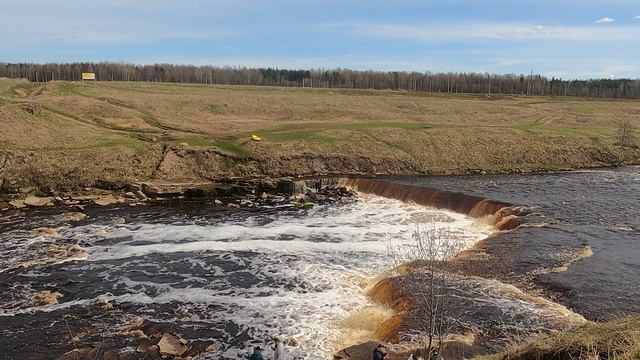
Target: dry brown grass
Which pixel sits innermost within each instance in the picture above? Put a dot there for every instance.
(311, 131)
(615, 340)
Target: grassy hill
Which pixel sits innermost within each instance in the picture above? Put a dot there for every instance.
(66, 135)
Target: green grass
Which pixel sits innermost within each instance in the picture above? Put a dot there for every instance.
(295, 135)
(111, 140)
(69, 88)
(197, 140)
(312, 131)
(233, 147)
(564, 130)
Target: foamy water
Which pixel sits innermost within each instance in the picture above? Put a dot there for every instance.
(295, 275)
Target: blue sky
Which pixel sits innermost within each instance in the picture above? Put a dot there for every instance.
(568, 38)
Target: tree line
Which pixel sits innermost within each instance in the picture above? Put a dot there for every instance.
(452, 82)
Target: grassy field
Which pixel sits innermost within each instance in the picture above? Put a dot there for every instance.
(68, 134)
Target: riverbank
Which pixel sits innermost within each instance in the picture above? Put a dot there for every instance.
(63, 136)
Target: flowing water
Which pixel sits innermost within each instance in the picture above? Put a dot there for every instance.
(597, 210)
(239, 277)
(243, 276)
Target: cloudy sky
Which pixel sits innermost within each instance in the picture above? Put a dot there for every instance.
(562, 38)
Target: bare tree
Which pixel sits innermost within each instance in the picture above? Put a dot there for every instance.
(436, 309)
(626, 136)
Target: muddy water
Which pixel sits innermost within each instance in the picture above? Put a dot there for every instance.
(237, 277)
(568, 213)
(242, 276)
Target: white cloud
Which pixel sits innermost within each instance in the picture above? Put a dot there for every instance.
(499, 31)
(605, 20)
(637, 17)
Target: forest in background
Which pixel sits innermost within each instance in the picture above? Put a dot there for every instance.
(453, 82)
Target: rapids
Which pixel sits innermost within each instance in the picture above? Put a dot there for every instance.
(240, 277)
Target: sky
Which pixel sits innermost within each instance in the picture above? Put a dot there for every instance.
(556, 38)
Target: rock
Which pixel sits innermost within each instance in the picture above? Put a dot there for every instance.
(213, 347)
(142, 196)
(47, 297)
(134, 187)
(48, 232)
(245, 202)
(264, 196)
(217, 202)
(74, 216)
(110, 355)
(198, 347)
(136, 324)
(36, 201)
(129, 195)
(300, 187)
(172, 345)
(18, 204)
(232, 205)
(106, 200)
(104, 304)
(147, 348)
(76, 354)
(84, 198)
(196, 188)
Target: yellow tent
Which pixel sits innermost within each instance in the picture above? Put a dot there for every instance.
(255, 137)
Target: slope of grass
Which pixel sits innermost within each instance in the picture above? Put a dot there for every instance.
(317, 131)
(613, 340)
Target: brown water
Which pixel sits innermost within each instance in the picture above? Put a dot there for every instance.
(239, 277)
(565, 213)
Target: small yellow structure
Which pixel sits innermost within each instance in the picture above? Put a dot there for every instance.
(255, 137)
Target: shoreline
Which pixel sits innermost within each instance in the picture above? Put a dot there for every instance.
(134, 192)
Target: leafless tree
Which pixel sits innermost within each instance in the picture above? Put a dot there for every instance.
(626, 136)
(436, 309)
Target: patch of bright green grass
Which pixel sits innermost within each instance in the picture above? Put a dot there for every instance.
(197, 140)
(111, 140)
(68, 88)
(563, 129)
(311, 131)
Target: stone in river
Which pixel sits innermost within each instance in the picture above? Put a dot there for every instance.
(18, 204)
(36, 201)
(172, 345)
(106, 200)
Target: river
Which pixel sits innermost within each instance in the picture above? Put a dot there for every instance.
(243, 276)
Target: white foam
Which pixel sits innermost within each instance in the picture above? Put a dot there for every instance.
(324, 257)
